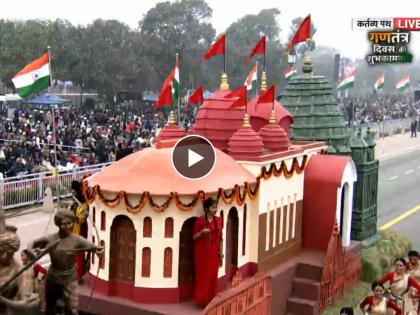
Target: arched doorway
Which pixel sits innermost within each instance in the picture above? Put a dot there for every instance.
(231, 260)
(343, 196)
(345, 214)
(122, 256)
(186, 260)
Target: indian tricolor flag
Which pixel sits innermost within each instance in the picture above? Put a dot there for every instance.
(251, 79)
(379, 84)
(175, 85)
(347, 82)
(169, 93)
(403, 83)
(289, 73)
(34, 78)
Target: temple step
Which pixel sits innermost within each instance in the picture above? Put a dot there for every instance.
(301, 306)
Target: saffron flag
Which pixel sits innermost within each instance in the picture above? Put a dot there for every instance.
(259, 49)
(34, 77)
(196, 96)
(218, 48)
(303, 32)
(251, 79)
(240, 93)
(169, 93)
(268, 96)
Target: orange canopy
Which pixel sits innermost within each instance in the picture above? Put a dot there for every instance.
(151, 170)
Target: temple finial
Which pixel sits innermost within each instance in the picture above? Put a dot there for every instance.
(263, 82)
(247, 123)
(224, 85)
(172, 121)
(272, 119)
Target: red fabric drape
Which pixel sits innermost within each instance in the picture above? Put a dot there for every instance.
(206, 258)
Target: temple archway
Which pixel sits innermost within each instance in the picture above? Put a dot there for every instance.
(122, 256)
(232, 228)
(186, 274)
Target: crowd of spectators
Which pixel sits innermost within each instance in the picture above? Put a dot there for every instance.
(84, 136)
(92, 136)
(380, 107)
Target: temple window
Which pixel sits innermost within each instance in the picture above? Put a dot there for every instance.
(147, 227)
(169, 228)
(244, 230)
(145, 262)
(167, 263)
(103, 220)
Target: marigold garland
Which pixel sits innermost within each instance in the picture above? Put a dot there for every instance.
(228, 198)
(273, 170)
(187, 207)
(111, 203)
(137, 208)
(164, 206)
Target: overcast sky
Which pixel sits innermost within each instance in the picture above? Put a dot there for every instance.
(332, 18)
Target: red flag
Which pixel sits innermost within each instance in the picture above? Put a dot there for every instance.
(259, 49)
(197, 96)
(303, 33)
(165, 95)
(241, 94)
(268, 96)
(218, 48)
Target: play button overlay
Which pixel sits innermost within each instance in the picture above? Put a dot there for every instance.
(193, 157)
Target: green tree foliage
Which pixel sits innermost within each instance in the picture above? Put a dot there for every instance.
(108, 56)
(112, 60)
(241, 38)
(181, 27)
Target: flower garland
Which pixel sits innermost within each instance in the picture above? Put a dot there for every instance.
(273, 170)
(235, 194)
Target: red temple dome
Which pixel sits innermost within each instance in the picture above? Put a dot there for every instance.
(171, 131)
(273, 136)
(260, 114)
(245, 143)
(217, 121)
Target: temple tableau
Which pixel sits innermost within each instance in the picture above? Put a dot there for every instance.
(269, 194)
(273, 225)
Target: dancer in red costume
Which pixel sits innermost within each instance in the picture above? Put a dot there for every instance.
(401, 282)
(377, 304)
(207, 252)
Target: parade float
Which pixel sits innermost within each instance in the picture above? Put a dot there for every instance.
(286, 208)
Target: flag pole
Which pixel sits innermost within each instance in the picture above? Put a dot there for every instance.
(272, 108)
(246, 103)
(54, 133)
(308, 46)
(256, 70)
(265, 42)
(179, 95)
(224, 59)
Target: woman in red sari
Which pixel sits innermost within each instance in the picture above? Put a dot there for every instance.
(207, 235)
(401, 282)
(377, 304)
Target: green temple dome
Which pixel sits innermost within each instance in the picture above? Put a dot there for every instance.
(315, 111)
